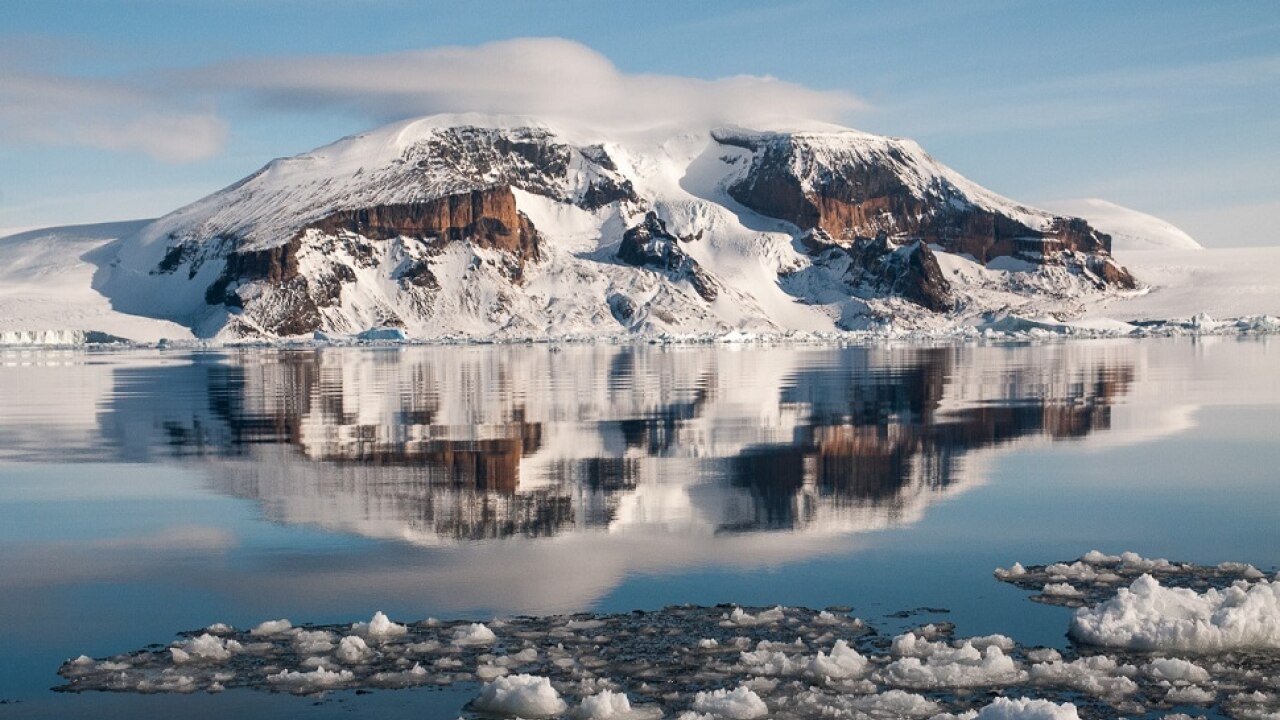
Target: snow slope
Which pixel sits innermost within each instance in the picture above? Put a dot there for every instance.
(1219, 282)
(1130, 229)
(47, 294)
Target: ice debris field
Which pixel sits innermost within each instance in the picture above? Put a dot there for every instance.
(1149, 638)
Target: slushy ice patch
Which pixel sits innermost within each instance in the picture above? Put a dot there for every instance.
(1149, 638)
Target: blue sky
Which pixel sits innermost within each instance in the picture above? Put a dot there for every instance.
(111, 110)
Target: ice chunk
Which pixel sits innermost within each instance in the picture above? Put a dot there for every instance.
(1062, 590)
(526, 696)
(309, 682)
(1099, 676)
(965, 666)
(310, 642)
(1027, 709)
(609, 705)
(843, 662)
(1004, 642)
(271, 627)
(742, 618)
(473, 634)
(414, 676)
(1189, 695)
(205, 648)
(889, 704)
(352, 649)
(1135, 561)
(741, 703)
(1015, 571)
(379, 628)
(1097, 557)
(1043, 655)
(383, 333)
(1175, 670)
(489, 672)
(1245, 570)
(1148, 616)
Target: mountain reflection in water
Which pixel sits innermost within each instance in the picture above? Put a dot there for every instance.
(435, 445)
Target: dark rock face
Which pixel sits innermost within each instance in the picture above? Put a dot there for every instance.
(650, 245)
(530, 159)
(853, 196)
(910, 272)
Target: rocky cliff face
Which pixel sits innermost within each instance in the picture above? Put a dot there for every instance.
(851, 192)
(651, 245)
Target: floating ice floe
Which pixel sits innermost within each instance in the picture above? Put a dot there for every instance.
(742, 618)
(741, 703)
(609, 705)
(379, 628)
(472, 635)
(718, 663)
(1149, 616)
(1096, 576)
(1028, 709)
(524, 696)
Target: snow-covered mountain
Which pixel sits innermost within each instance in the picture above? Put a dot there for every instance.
(511, 227)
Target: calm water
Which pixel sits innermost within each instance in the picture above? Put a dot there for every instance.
(146, 493)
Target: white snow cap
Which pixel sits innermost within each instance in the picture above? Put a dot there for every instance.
(526, 696)
(1148, 616)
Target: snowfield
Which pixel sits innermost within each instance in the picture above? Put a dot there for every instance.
(47, 294)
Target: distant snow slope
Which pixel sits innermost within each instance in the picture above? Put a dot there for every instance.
(1129, 229)
(1219, 282)
(7, 231)
(47, 294)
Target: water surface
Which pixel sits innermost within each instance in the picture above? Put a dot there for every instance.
(144, 493)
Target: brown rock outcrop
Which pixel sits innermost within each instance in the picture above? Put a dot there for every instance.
(487, 218)
(854, 198)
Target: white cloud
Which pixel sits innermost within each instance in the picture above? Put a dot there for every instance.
(58, 110)
(546, 77)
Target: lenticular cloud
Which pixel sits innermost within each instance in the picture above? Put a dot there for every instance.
(547, 77)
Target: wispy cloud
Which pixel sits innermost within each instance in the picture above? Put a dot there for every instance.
(537, 76)
(169, 117)
(61, 110)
